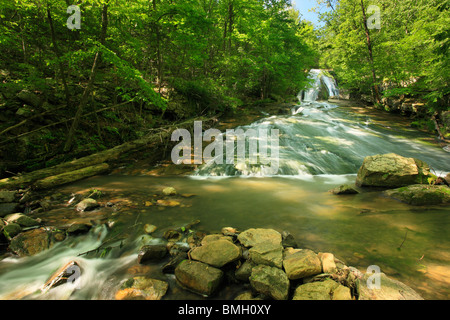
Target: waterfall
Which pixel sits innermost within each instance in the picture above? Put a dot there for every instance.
(319, 138)
(320, 79)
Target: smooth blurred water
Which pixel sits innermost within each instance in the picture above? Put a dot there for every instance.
(320, 148)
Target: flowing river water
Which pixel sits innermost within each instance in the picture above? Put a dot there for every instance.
(321, 146)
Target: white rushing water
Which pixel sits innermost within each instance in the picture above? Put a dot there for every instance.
(321, 138)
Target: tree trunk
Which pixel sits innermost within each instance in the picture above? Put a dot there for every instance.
(90, 84)
(376, 93)
(70, 176)
(108, 156)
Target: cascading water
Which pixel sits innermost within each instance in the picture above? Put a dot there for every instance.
(320, 80)
(320, 138)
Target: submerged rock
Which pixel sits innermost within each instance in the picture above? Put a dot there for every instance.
(420, 194)
(270, 281)
(78, 228)
(392, 171)
(149, 228)
(169, 191)
(199, 277)
(87, 205)
(142, 288)
(344, 189)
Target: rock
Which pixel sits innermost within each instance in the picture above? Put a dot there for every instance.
(252, 237)
(420, 194)
(30, 98)
(152, 252)
(300, 263)
(447, 178)
(229, 231)
(169, 191)
(8, 208)
(267, 253)
(62, 275)
(87, 205)
(389, 289)
(270, 281)
(7, 196)
(78, 228)
(392, 171)
(142, 288)
(170, 266)
(149, 228)
(172, 235)
(342, 293)
(217, 253)
(322, 290)
(344, 189)
(167, 203)
(328, 264)
(247, 296)
(11, 230)
(199, 277)
(288, 240)
(215, 237)
(22, 220)
(244, 272)
(31, 242)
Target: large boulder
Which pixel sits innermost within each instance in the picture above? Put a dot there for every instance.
(421, 194)
(389, 289)
(270, 281)
(301, 263)
(198, 277)
(252, 237)
(34, 241)
(392, 171)
(322, 290)
(217, 253)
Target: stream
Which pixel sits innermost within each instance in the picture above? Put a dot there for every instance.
(321, 146)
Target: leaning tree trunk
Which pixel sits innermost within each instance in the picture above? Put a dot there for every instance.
(88, 89)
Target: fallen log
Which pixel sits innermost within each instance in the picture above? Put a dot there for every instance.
(157, 136)
(71, 176)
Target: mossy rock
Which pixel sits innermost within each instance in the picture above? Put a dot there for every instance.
(392, 171)
(420, 195)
